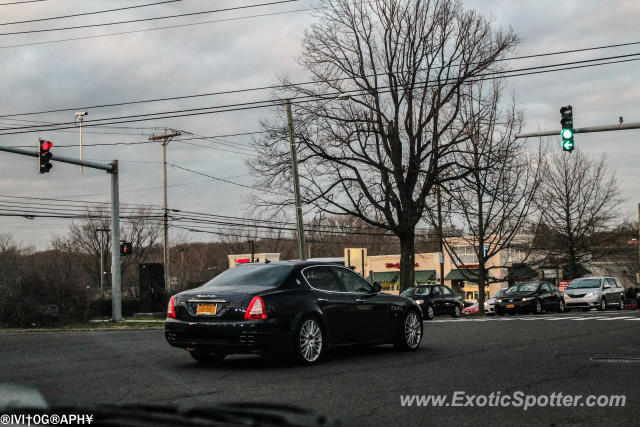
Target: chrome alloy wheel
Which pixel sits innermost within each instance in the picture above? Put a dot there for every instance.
(412, 330)
(310, 341)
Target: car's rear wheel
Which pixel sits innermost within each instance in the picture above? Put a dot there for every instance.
(603, 304)
(456, 311)
(206, 357)
(429, 313)
(561, 307)
(310, 342)
(409, 332)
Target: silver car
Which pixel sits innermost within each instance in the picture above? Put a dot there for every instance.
(490, 304)
(598, 292)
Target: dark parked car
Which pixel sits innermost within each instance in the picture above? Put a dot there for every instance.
(288, 308)
(533, 297)
(435, 299)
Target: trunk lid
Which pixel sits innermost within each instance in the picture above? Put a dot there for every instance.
(219, 303)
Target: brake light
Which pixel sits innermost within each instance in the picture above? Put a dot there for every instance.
(171, 309)
(256, 309)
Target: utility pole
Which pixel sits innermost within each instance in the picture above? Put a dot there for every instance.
(164, 141)
(253, 250)
(440, 234)
(296, 183)
(102, 278)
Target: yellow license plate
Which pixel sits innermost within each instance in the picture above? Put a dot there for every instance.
(511, 306)
(209, 309)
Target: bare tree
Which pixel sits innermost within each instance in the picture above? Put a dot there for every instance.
(492, 202)
(577, 200)
(377, 155)
(139, 227)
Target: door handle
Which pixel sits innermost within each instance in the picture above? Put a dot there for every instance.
(323, 300)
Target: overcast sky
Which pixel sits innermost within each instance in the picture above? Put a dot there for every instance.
(252, 52)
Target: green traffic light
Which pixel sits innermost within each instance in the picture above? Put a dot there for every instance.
(567, 133)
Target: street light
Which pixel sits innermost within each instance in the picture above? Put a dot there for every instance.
(79, 117)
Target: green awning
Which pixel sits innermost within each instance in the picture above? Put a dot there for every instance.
(385, 276)
(466, 274)
(424, 276)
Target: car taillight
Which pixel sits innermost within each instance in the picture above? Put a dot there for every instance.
(256, 309)
(171, 309)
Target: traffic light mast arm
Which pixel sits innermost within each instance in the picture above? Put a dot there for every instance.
(606, 128)
(105, 167)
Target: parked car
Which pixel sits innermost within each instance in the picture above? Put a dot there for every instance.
(288, 308)
(434, 300)
(598, 292)
(471, 309)
(489, 305)
(530, 297)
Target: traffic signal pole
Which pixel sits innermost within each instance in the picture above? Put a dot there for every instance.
(606, 128)
(111, 168)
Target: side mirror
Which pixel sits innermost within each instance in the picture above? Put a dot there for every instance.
(377, 288)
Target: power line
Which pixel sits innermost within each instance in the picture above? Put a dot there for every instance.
(104, 24)
(164, 27)
(215, 178)
(88, 13)
(271, 87)
(21, 2)
(304, 99)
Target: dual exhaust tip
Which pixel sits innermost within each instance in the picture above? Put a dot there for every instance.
(247, 339)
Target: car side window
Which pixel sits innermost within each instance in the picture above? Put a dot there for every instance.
(611, 283)
(447, 292)
(545, 287)
(618, 284)
(435, 291)
(351, 281)
(606, 283)
(322, 278)
(422, 290)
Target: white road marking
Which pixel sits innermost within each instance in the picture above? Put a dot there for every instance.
(533, 318)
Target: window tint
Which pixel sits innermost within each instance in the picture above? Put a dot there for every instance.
(247, 275)
(351, 281)
(322, 278)
(447, 292)
(435, 291)
(408, 292)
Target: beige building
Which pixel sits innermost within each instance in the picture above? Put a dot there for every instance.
(459, 271)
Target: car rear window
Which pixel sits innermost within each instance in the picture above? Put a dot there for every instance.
(248, 275)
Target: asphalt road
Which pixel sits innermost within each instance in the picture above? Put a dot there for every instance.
(532, 354)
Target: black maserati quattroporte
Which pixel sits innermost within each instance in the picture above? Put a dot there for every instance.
(288, 308)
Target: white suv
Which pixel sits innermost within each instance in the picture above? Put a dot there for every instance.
(598, 292)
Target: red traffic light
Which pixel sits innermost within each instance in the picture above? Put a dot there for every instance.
(46, 145)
